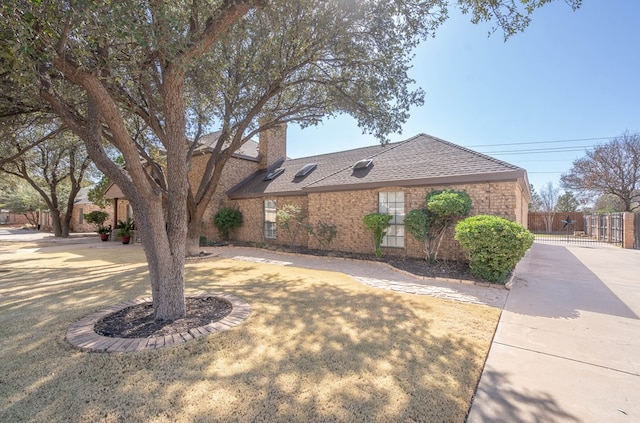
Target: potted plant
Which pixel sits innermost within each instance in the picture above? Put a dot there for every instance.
(125, 230)
(98, 217)
(104, 232)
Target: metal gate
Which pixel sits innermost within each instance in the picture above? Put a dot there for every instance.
(580, 229)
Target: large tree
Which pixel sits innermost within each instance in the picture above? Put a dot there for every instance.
(567, 203)
(20, 197)
(55, 169)
(549, 195)
(611, 168)
(182, 67)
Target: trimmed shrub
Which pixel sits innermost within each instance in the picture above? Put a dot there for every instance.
(96, 217)
(226, 219)
(378, 223)
(429, 224)
(494, 245)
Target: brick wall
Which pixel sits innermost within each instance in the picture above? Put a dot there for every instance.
(346, 209)
(235, 171)
(78, 209)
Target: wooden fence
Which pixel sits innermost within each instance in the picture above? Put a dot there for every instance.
(538, 223)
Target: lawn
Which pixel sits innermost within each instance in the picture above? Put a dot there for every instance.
(317, 347)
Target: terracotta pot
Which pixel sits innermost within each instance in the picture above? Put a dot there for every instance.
(126, 239)
(104, 237)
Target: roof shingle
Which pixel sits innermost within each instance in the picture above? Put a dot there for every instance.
(419, 160)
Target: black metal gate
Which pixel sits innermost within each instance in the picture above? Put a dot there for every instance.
(586, 230)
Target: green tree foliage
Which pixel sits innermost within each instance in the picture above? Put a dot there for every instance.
(534, 205)
(227, 219)
(21, 198)
(494, 244)
(378, 224)
(56, 169)
(567, 203)
(429, 224)
(96, 193)
(117, 73)
(291, 219)
(612, 168)
(98, 217)
(608, 203)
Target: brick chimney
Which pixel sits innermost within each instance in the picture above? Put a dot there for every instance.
(272, 146)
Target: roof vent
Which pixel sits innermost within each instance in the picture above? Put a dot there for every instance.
(306, 169)
(362, 164)
(274, 174)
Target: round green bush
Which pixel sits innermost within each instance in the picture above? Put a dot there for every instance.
(226, 219)
(494, 244)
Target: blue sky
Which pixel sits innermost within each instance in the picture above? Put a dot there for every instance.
(569, 76)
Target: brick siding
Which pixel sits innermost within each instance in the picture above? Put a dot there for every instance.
(345, 210)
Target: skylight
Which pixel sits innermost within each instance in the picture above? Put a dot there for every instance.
(362, 164)
(274, 174)
(306, 169)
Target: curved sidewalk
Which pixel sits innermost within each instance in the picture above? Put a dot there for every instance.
(567, 348)
(374, 274)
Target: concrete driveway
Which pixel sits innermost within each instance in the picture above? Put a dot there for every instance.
(567, 348)
(29, 235)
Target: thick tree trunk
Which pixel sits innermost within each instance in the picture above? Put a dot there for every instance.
(66, 223)
(166, 265)
(56, 223)
(193, 244)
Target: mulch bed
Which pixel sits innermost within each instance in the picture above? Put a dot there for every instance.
(438, 269)
(138, 321)
(419, 267)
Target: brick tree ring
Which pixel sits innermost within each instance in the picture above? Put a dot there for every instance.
(82, 334)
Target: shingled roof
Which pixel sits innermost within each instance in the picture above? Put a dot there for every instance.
(419, 160)
(208, 142)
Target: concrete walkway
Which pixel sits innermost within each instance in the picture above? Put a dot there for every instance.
(374, 274)
(567, 348)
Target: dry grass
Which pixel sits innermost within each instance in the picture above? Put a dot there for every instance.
(317, 347)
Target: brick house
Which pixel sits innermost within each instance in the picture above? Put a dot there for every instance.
(340, 188)
(81, 206)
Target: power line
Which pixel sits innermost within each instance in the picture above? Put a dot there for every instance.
(541, 142)
(540, 150)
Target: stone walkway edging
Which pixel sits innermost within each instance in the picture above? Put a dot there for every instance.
(395, 269)
(83, 336)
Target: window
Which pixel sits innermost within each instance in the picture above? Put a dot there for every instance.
(392, 203)
(362, 164)
(269, 219)
(306, 169)
(272, 175)
(80, 216)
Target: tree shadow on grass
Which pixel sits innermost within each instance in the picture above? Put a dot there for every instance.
(316, 347)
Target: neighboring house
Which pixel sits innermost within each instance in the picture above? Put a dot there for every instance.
(81, 206)
(341, 188)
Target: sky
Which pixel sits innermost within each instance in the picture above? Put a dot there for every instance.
(539, 100)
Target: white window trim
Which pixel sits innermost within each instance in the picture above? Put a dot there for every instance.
(391, 239)
(269, 233)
